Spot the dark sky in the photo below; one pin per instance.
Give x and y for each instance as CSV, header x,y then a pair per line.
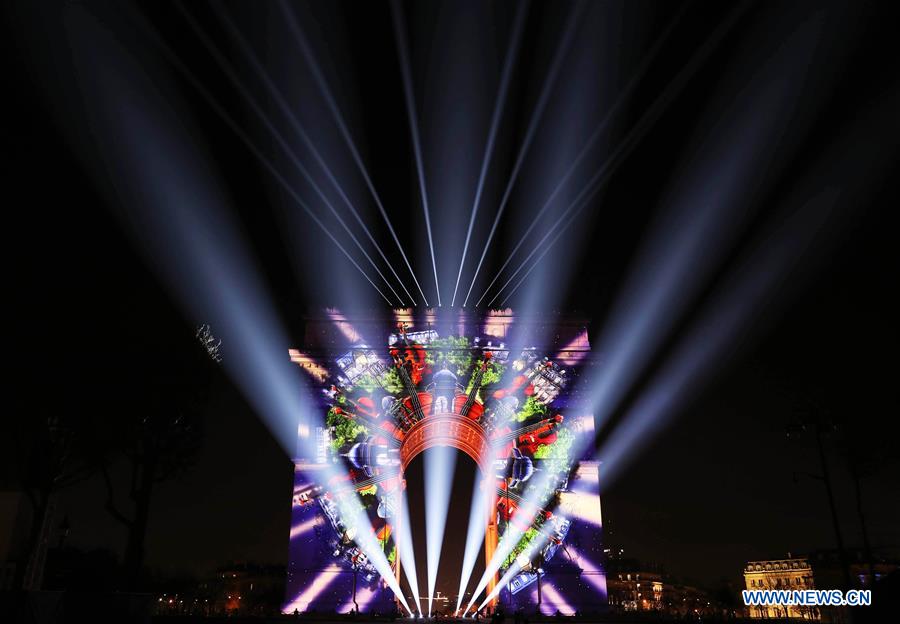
x,y
93,325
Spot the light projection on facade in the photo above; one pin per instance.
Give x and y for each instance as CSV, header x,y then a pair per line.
x,y
422,384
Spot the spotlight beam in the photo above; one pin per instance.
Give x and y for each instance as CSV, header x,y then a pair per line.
x,y
537,499
589,144
513,569
199,251
640,129
536,115
511,54
556,226
298,127
478,514
477,519
405,550
703,219
368,543
439,465
405,70
731,313
232,76
345,132
537,262
248,142
796,242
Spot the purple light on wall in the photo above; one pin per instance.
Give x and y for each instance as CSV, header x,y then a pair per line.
x,y
590,571
363,598
581,505
303,527
575,350
320,583
344,326
552,601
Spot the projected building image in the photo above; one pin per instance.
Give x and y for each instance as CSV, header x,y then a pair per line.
x,y
460,385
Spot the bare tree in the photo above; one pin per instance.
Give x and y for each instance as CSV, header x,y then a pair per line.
x,y
158,445
50,457
153,427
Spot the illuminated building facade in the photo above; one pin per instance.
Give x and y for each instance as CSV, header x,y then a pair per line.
x,y
794,573
390,388
636,590
819,569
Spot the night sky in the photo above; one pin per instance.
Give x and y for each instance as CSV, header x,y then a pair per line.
x,y
94,328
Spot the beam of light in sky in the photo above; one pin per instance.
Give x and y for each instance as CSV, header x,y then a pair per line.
x,y
701,219
705,345
226,67
513,569
307,141
635,79
545,249
537,498
248,142
369,544
549,81
310,58
478,517
527,509
511,54
754,286
170,202
406,72
440,462
524,559
355,517
405,551
623,149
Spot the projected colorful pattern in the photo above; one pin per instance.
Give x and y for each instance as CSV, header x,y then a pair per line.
x,y
510,411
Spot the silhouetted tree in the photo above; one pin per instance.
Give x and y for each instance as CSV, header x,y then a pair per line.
x,y
50,457
158,444
158,434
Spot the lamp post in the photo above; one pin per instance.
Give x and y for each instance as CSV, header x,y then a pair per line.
x,y
539,570
355,574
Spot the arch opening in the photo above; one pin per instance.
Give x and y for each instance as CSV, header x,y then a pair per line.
x,y
466,472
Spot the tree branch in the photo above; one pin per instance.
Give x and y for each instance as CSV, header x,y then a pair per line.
x,y
110,498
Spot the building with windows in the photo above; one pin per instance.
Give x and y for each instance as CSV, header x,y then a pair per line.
x,y
793,573
634,588
645,587
821,569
